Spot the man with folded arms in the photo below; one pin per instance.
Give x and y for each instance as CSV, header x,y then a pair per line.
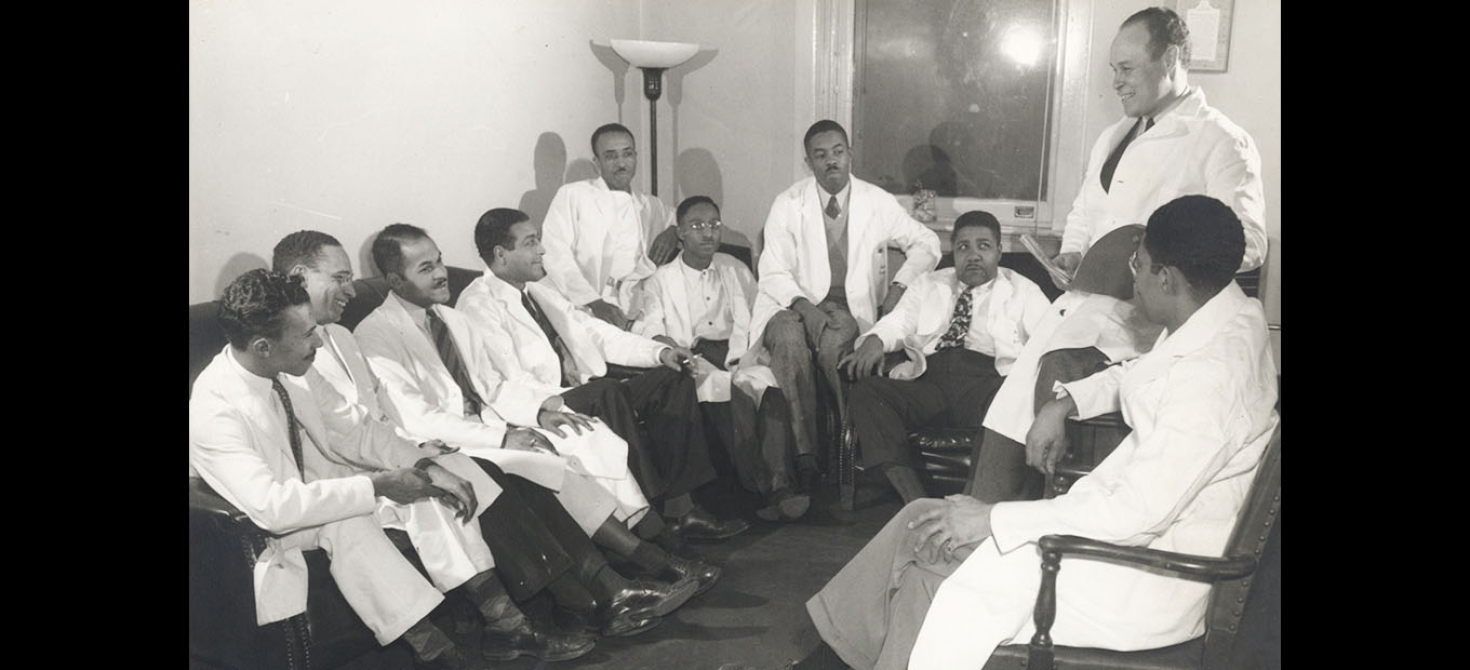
x,y
277,446
438,381
946,581
962,327
702,301
540,341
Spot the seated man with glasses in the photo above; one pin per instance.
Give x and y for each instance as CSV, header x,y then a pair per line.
x,y
702,301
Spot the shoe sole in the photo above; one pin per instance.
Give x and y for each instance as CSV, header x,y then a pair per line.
x,y
565,656
636,627
678,595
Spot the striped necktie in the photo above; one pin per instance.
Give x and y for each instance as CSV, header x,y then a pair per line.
x,y
291,425
449,354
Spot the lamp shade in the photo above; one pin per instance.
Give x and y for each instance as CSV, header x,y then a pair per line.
x,y
645,53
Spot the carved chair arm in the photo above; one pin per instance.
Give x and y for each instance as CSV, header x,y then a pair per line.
x,y
1209,568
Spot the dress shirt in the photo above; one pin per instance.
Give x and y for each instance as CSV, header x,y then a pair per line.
x,y
978,337
708,305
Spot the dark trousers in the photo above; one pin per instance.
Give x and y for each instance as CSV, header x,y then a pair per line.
x,y
954,391
658,415
532,537
759,441
999,473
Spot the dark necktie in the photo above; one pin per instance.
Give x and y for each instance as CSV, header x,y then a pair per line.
x,y
1111,163
295,431
832,209
959,323
563,354
449,354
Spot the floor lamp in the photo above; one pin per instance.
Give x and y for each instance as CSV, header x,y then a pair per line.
x,y
653,58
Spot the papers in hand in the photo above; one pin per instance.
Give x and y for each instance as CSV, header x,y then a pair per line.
x,y
1058,275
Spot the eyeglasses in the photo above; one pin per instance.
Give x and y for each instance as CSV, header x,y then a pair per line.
x,y
1134,266
706,225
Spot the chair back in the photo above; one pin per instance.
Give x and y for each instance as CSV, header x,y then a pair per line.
x,y
1227,600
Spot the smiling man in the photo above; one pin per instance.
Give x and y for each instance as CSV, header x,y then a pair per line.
x,y
962,327
824,272
602,238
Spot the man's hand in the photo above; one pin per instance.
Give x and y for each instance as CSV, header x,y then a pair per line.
x,y
403,486
553,420
455,491
664,246
812,318
864,361
1068,262
664,339
942,532
526,439
609,312
677,358
1046,442
895,293
437,448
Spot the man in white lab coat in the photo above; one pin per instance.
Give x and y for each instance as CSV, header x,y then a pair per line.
x,y
1169,143
602,238
702,301
961,329
1201,405
823,273
540,341
439,381
310,469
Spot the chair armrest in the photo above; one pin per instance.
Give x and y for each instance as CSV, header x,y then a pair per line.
x,y
203,501
1209,568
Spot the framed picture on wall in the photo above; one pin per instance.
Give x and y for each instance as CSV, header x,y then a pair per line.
x,y
1209,32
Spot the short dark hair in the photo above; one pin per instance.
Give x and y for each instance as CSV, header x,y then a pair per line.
x,y
823,126
1199,235
302,247
609,128
493,230
979,218
689,204
1165,28
388,247
254,305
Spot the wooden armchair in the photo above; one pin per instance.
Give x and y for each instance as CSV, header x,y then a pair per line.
x,y
1230,574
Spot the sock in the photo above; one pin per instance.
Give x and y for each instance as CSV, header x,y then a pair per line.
x,y
650,557
676,508
653,529
495,604
427,641
608,582
805,462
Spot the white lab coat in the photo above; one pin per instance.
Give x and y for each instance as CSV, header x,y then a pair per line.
x,y
425,401
1201,407
1016,305
667,313
1192,149
597,241
519,349
794,263
239,444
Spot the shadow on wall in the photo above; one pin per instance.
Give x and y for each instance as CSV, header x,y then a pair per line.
x,y
366,266
238,265
618,67
581,169
550,164
697,173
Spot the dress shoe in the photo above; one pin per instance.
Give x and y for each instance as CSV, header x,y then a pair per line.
x,y
701,525
530,639
644,600
703,574
575,621
785,506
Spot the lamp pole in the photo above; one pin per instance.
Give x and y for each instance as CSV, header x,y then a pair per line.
x,y
653,87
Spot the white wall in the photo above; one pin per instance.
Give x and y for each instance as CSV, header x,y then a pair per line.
x,y
345,116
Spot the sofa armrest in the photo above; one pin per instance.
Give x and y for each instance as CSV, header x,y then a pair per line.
x,y
1209,568
207,504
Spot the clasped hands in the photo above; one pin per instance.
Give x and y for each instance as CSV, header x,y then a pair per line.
x,y
427,479
950,530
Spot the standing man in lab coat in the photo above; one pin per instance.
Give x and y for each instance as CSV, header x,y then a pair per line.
x,y
602,238
824,276
946,581
1169,143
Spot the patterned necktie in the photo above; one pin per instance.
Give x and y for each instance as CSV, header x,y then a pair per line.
x,y
449,354
832,209
1111,163
563,354
291,427
959,323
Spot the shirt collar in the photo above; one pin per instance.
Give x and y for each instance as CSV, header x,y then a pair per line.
x,y
960,285
841,195
419,315
691,270
1205,323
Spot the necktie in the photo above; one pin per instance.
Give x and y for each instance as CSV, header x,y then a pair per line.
x,y
449,354
563,355
295,431
959,323
1111,163
832,209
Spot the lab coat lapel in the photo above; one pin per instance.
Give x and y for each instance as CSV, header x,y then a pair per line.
x,y
814,234
424,356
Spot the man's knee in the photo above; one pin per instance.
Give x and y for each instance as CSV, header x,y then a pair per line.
x,y
785,333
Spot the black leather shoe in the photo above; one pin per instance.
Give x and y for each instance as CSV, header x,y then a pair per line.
x,y
629,610
701,525
574,621
703,574
529,639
